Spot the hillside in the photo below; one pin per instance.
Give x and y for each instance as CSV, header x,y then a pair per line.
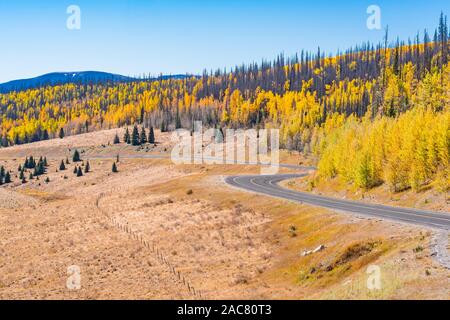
x,y
127,231
78,78
59,78
314,99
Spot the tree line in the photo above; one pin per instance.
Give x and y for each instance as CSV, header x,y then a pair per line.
x,y
308,96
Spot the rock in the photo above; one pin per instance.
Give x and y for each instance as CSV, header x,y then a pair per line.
x,y
310,252
319,248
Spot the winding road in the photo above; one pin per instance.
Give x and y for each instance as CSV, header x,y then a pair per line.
x,y
269,185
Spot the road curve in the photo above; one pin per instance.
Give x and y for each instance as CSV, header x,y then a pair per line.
x,y
269,185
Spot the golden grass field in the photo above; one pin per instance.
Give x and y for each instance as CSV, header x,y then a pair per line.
x,y
227,244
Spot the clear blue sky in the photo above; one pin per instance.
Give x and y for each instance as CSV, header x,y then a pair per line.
x,y
152,36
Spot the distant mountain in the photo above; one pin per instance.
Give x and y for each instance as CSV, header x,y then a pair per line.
x,y
71,77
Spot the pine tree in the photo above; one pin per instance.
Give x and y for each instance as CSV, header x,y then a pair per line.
x,y
39,169
79,172
31,163
67,160
45,135
61,133
62,166
87,168
2,171
31,176
45,162
135,137
116,139
47,180
76,156
22,174
114,168
151,136
143,137
126,137
7,177
75,170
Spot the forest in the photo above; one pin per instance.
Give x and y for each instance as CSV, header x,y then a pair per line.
x,y
373,114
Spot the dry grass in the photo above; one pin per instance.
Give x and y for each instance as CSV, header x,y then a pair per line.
x,y
230,244
427,199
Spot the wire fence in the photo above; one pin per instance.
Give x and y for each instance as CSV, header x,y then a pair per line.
x,y
152,247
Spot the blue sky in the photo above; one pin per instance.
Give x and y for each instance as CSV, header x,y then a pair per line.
x,y
136,36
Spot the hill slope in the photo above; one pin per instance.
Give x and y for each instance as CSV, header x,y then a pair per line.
x,y
62,78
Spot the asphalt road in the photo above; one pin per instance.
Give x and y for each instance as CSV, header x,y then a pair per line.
x,y
269,185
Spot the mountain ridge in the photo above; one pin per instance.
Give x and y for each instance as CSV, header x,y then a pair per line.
x,y
55,78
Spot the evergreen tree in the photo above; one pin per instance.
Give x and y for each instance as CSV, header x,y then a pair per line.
x,y
30,163
143,136
126,137
114,168
47,180
19,169
61,133
45,135
135,137
4,142
67,160
7,177
151,136
75,170
116,139
2,171
39,169
62,166
1,181
87,168
79,172
76,156
31,176
22,174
